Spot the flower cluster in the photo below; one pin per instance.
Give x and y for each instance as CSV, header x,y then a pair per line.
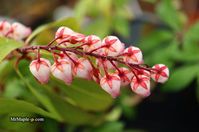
x,y
105,61
15,30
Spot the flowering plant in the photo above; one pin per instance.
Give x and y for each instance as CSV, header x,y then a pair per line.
x,y
73,53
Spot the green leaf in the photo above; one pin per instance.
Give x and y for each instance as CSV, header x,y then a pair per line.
x,y
121,26
169,14
59,107
18,106
86,94
96,27
69,22
8,45
110,127
155,39
180,78
43,99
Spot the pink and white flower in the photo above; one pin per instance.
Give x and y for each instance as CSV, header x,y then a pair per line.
x,y
107,64
4,28
91,42
82,68
112,46
160,74
18,31
76,38
71,56
64,34
132,55
141,85
62,70
111,84
40,68
125,75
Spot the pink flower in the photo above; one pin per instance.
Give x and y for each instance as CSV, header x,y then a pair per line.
x,y
40,69
91,42
19,31
76,38
161,73
141,85
111,84
62,70
70,54
132,55
125,75
112,46
4,28
83,68
106,63
64,34
142,72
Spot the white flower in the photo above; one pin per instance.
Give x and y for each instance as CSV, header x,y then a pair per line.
x,y
111,84
62,70
40,68
132,55
160,73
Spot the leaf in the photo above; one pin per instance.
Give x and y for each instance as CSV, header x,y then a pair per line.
x,y
180,78
121,25
60,108
86,94
8,45
43,99
18,106
110,127
69,22
155,39
96,27
169,14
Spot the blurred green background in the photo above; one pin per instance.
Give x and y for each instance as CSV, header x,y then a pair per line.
x,y
167,31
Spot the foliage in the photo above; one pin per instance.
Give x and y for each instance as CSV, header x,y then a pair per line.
x,y
175,45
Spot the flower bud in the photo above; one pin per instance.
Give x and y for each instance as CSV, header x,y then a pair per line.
x,y
160,74
76,38
125,75
64,34
62,70
106,63
141,85
132,55
70,54
112,46
4,28
83,68
19,31
40,68
111,84
91,42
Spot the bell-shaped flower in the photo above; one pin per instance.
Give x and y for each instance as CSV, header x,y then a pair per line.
x,y
107,64
141,85
160,73
112,46
125,75
63,34
40,68
132,55
111,84
19,31
62,70
91,42
4,28
82,68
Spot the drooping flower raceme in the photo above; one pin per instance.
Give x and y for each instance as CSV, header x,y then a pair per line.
x,y
105,61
